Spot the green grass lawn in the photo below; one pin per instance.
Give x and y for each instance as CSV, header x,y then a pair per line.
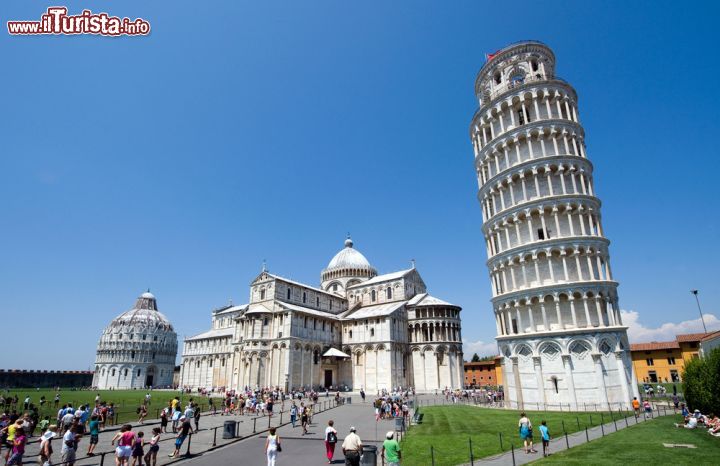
x,y
126,401
448,428
642,444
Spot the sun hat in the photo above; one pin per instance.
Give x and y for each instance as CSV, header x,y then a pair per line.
x,y
390,434
352,429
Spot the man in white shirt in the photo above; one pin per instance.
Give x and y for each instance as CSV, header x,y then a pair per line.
x,y
68,448
352,448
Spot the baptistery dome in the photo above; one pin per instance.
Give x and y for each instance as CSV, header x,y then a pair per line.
x,y
137,349
346,268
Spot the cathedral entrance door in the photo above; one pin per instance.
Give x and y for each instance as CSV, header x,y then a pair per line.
x,y
150,375
328,378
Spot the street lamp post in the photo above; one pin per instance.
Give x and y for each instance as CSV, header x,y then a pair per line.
x,y
697,300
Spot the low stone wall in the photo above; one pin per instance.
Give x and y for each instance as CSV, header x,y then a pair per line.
x,y
16,378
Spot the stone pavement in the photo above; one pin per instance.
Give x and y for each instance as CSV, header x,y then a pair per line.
x,y
299,450
209,437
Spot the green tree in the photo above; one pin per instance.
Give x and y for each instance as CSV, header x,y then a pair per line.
x,y
475,358
701,380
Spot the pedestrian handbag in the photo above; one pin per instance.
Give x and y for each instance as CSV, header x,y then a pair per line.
x,y
279,447
332,437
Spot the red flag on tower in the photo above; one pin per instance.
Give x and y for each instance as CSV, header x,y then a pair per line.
x,y
490,56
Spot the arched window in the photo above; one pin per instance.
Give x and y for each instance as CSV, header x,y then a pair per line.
x,y
132,354
373,296
262,294
304,297
316,357
372,332
389,293
334,286
126,371
555,383
350,334
289,292
317,302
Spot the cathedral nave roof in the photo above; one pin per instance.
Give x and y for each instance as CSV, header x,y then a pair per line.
x,y
215,333
382,278
378,310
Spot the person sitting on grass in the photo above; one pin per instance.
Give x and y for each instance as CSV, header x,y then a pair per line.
x,y
691,422
684,410
545,434
526,433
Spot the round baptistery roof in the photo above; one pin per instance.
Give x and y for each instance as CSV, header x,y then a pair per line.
x,y
143,316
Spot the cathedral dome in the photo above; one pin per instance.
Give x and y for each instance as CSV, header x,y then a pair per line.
x,y
348,258
347,267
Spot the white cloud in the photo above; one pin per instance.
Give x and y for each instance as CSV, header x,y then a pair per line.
x,y
480,347
639,333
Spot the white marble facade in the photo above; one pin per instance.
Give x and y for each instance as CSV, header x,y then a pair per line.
x,y
392,331
137,349
555,300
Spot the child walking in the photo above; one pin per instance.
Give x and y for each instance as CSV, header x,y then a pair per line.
x,y
151,456
138,451
545,433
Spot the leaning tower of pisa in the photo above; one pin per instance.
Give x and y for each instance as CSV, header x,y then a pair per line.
x,y
555,301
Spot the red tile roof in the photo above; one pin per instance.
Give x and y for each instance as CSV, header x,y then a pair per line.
x,y
711,335
655,345
690,337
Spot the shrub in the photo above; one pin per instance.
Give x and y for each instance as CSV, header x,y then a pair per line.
x,y
701,383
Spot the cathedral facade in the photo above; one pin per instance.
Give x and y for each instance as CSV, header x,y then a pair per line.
x,y
357,330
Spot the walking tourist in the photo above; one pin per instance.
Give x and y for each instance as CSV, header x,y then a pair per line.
x,y
391,450
94,428
304,419
142,412
151,456
164,419
46,450
526,433
272,447
545,434
330,440
183,432
293,414
126,439
352,448
71,438
636,405
196,417
8,433
138,451
18,448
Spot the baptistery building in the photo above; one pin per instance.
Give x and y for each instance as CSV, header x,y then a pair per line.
x,y
356,329
560,332
137,349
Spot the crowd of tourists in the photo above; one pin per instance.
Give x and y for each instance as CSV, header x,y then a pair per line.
x,y
73,424
698,420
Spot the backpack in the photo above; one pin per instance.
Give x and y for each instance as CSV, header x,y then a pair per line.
x,y
332,437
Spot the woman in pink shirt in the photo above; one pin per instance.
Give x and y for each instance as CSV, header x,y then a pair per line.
x,y
126,440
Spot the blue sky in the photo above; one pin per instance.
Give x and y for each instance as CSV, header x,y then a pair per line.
x,y
268,130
